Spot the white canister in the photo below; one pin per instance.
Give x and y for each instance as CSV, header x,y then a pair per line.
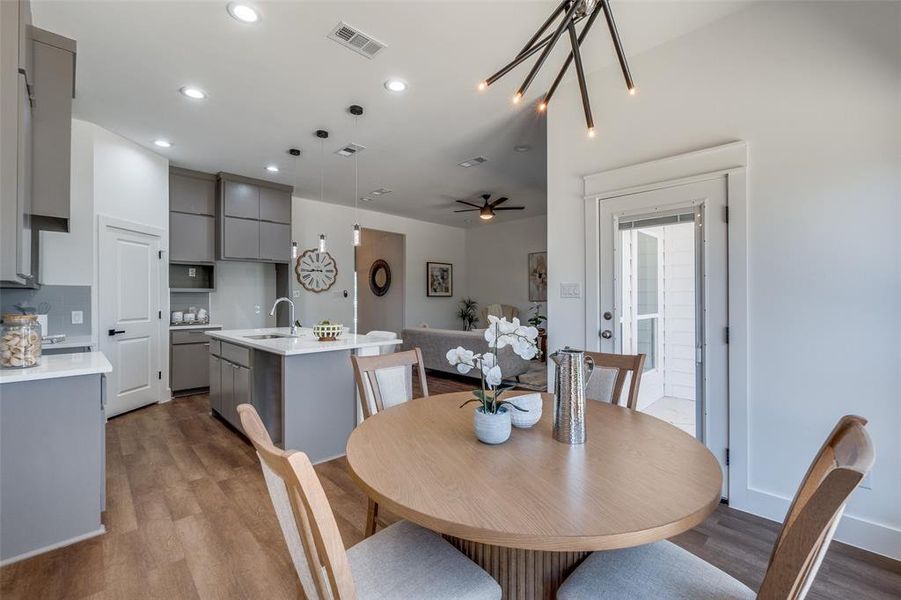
x,y
176,317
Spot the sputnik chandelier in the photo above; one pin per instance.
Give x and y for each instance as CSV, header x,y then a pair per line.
x,y
574,12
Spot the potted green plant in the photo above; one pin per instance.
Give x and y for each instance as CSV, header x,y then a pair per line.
x,y
491,420
535,321
466,312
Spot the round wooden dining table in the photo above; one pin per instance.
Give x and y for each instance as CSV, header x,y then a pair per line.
x,y
530,509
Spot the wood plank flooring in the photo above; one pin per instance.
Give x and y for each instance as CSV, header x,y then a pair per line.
x,y
188,516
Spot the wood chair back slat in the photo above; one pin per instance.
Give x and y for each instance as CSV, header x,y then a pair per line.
x,y
624,364
842,462
319,534
366,372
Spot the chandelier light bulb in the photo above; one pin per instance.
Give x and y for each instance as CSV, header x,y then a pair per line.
x,y
633,90
483,86
293,250
517,97
322,242
542,107
591,132
357,235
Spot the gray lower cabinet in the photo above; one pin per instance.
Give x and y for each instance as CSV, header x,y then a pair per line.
x,y
240,239
192,238
189,366
234,381
275,241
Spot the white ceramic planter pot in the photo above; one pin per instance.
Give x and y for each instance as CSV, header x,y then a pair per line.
x,y
529,402
492,428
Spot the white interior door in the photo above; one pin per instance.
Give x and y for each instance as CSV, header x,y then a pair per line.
x,y
129,298
622,320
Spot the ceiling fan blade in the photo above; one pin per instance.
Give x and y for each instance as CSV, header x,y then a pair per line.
x,y
468,210
469,203
511,208
498,201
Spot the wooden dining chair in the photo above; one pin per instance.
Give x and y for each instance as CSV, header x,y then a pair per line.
x,y
401,561
382,382
624,364
664,570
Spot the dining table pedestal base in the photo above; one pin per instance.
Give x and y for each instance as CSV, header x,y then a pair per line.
x,y
522,574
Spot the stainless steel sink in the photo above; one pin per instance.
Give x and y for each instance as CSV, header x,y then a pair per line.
x,y
268,336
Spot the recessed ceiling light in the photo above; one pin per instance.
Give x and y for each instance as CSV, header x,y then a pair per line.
x,y
522,148
243,12
396,85
272,168
162,143
192,92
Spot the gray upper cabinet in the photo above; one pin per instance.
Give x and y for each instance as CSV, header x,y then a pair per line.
x,y
54,87
275,241
192,238
192,192
275,205
254,220
241,200
241,239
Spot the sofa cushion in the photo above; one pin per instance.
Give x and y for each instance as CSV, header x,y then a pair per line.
x,y
434,344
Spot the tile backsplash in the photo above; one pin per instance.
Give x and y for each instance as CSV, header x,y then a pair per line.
x,y
57,302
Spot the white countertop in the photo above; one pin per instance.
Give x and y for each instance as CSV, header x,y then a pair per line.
x,y
59,365
200,326
304,343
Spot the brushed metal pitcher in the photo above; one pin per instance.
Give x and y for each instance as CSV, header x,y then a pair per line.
x,y
573,371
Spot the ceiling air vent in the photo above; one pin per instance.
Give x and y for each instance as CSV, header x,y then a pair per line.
x,y
350,149
473,162
356,40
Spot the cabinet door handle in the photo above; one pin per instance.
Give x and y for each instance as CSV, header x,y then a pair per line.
x,y
115,331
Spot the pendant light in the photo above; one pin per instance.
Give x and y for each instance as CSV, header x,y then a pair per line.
x,y
356,111
322,134
573,11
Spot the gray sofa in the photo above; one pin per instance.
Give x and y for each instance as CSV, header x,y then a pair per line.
x,y
435,343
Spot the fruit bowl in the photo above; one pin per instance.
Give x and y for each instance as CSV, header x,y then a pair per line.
x,y
327,332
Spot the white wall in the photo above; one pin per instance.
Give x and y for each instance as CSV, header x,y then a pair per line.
x,y
114,177
815,90
425,242
244,294
497,261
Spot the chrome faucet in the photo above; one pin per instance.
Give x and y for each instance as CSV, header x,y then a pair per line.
x,y
291,304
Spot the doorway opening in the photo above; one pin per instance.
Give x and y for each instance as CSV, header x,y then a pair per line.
x,y
658,293
380,260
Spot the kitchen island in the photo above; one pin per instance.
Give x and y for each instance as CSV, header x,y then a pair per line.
x,y
52,452
303,389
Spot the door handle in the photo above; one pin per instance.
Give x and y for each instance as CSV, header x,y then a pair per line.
x,y
115,331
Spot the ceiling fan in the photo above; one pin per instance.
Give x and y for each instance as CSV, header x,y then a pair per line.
x,y
486,211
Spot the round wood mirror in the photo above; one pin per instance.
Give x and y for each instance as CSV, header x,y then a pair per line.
x,y
379,277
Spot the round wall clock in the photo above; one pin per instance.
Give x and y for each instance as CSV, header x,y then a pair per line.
x,y
316,271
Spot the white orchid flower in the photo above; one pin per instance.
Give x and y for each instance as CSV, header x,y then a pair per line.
x,y
462,359
493,376
489,360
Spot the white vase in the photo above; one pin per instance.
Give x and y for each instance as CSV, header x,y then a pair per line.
x,y
492,428
532,404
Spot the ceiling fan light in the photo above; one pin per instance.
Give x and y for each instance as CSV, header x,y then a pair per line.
x,y
486,216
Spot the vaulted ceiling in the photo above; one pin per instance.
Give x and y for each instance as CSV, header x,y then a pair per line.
x,y
273,83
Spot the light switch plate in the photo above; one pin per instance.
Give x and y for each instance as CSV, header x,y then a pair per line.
x,y
77,317
570,290
256,309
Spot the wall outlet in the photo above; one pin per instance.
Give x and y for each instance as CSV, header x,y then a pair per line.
x,y
256,309
77,317
570,290
295,293
192,272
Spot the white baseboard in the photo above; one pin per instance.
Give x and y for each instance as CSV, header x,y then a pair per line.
x,y
874,537
69,542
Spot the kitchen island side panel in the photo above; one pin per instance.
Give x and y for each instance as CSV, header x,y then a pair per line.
x,y
318,403
51,463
